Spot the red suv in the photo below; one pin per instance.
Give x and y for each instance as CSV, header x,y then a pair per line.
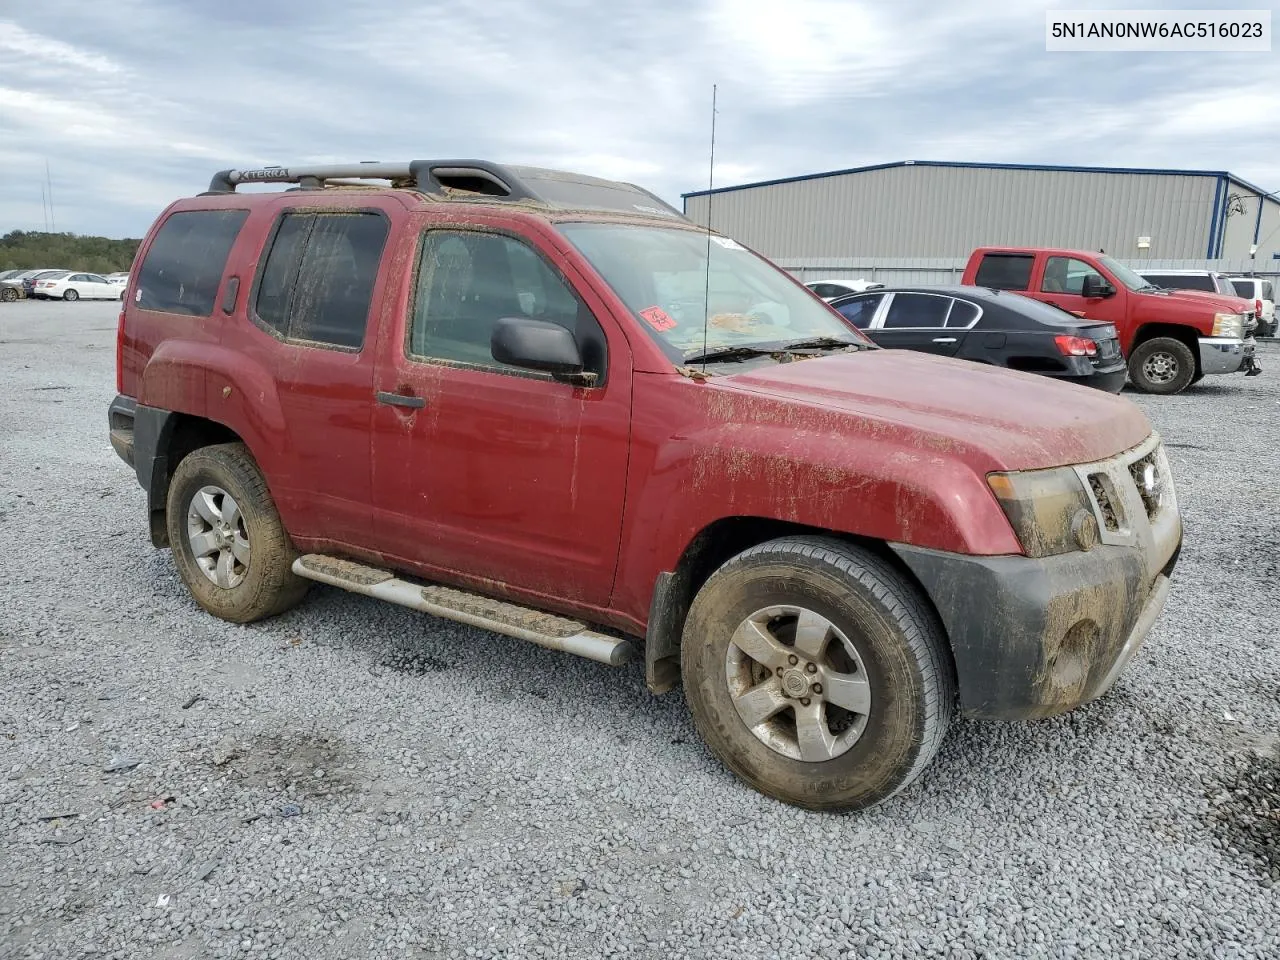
x,y
549,406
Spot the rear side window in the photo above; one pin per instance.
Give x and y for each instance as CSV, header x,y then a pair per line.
x,y
317,281
1243,288
184,265
1005,271
859,311
917,310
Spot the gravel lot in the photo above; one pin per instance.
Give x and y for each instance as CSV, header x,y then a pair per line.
x,y
354,779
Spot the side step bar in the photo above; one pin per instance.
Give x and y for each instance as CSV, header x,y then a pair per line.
x,y
512,620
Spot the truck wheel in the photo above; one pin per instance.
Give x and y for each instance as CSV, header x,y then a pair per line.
x,y
228,542
816,673
1162,365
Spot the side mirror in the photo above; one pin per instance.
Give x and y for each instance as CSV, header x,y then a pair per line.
x,y
1093,287
538,345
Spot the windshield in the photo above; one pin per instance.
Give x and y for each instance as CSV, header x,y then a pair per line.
x,y
742,302
1124,274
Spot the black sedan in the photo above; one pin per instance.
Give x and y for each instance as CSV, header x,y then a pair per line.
x,y
990,326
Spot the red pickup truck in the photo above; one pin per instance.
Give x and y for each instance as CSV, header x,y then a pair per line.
x,y
550,406
1170,338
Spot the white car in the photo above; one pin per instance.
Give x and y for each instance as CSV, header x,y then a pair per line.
x,y
76,286
117,279
1264,302
830,289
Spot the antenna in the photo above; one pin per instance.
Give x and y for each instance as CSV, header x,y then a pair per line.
x,y
44,207
711,182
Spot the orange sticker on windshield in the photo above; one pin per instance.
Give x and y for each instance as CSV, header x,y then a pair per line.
x,y
658,318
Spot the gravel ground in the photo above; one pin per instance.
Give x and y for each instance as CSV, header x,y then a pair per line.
x,y
354,779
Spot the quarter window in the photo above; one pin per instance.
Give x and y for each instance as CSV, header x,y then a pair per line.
x,y
963,314
468,281
917,310
1005,271
184,265
317,282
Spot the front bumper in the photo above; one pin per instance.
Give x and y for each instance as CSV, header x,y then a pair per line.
x,y
1039,637
1035,637
1227,355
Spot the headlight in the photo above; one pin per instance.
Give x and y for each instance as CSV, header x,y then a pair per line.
x,y
1228,325
1049,510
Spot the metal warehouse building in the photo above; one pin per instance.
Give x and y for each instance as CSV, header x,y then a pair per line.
x,y
942,211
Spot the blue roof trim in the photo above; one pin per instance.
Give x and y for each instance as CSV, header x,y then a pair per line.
x,y
1162,171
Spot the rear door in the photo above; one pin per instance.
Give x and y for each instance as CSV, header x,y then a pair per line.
x,y
317,283
493,473
918,321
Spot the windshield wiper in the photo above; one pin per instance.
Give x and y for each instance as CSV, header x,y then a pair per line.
x,y
821,343
728,353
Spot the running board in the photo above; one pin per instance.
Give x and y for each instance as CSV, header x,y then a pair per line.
x,y
512,620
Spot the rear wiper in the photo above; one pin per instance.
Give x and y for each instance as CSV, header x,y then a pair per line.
x,y
728,353
821,343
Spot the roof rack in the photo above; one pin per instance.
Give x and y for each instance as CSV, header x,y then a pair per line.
x,y
464,180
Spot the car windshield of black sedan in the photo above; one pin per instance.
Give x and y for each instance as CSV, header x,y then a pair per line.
x,y
741,306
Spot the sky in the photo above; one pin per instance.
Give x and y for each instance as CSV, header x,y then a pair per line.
x,y
134,103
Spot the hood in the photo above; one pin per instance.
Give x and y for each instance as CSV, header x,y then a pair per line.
x,y
1219,302
995,419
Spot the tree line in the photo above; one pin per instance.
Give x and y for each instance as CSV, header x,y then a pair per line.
x,y
26,250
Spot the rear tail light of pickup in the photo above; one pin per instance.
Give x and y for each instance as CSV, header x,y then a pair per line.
x,y
1076,346
1229,325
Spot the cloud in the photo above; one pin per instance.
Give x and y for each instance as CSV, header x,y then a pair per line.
x,y
137,102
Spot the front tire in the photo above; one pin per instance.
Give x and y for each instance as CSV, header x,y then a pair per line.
x,y
229,545
1162,365
817,673
70,296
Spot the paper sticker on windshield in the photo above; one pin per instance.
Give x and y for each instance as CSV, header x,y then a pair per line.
x,y
728,243
657,318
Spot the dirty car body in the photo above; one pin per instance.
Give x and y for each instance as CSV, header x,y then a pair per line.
x,y
631,425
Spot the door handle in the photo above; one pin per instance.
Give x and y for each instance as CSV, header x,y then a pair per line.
x,y
400,400
944,339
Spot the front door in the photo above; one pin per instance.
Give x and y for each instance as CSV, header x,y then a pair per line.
x,y
918,321
490,472
1061,285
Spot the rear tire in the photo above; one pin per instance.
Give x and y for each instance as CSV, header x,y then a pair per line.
x,y
867,702
70,296
8,294
1162,365
229,545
